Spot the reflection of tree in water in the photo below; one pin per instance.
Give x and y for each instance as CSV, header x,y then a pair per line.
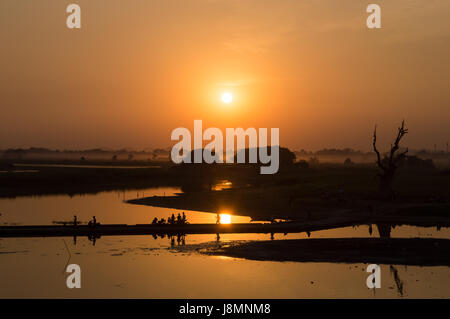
x,y
398,282
384,230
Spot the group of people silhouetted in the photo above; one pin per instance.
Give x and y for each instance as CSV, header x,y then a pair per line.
x,y
93,222
172,220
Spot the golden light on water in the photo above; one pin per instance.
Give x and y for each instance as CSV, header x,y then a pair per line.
x,y
225,218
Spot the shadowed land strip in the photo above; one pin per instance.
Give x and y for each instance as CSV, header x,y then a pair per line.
x,y
260,208
166,229
394,251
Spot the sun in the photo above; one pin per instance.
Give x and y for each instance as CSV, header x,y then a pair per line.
x,y
227,98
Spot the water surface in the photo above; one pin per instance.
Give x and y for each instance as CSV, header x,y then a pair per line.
x,y
145,267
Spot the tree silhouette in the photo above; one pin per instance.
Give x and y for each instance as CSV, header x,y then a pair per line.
x,y
389,164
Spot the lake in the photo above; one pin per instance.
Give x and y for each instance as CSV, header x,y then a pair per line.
x,y
145,267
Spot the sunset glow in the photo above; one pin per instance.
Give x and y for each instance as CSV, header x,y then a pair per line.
x,y
227,98
213,150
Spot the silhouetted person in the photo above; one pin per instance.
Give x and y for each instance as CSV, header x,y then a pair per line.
x,y
94,220
183,218
75,222
155,221
172,219
218,219
179,219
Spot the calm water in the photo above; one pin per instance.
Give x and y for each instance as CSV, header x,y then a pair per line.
x,y
141,266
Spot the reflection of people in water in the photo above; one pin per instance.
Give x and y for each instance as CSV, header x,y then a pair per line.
x,y
93,238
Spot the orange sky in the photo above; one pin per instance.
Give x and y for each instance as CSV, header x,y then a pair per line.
x,y
138,69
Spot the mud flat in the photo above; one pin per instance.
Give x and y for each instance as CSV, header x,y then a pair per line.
x,y
394,251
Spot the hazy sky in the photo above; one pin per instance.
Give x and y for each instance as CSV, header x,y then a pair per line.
x,y
138,69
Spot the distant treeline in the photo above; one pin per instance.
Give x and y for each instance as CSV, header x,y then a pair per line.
x,y
89,154
340,155
159,154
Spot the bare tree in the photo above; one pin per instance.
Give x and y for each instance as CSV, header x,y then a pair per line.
x,y
389,164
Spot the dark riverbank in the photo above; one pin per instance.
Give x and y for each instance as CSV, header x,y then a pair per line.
x,y
71,178
394,251
295,193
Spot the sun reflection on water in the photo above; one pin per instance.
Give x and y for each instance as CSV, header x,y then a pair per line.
x,y
225,218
